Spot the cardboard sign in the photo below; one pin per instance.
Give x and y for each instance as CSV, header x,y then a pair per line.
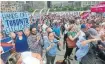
x,y
15,21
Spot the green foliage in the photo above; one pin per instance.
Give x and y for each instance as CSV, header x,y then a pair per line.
x,y
69,8
30,10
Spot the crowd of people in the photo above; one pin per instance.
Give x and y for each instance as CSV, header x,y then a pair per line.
x,y
87,36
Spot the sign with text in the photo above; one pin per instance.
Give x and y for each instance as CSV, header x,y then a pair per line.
x,y
15,21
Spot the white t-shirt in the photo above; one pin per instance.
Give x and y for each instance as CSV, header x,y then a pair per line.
x,y
66,28
28,59
44,27
81,34
1,49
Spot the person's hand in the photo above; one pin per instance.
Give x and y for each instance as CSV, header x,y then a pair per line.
x,y
52,44
95,39
101,47
13,45
36,55
78,33
12,35
38,38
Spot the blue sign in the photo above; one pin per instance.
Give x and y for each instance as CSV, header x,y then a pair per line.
x,y
15,21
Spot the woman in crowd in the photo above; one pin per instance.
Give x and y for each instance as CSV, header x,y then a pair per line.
x,y
27,31
51,48
21,44
72,35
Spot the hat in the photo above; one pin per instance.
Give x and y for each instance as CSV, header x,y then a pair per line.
x,y
83,26
93,33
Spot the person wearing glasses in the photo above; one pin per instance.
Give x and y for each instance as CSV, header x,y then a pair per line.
x,y
35,41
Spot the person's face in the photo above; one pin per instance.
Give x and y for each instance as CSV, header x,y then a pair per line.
x,y
1,36
49,30
84,29
12,35
27,32
73,28
33,31
97,28
51,36
20,33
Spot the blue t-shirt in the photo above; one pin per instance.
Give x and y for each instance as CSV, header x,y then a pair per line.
x,y
56,30
83,50
21,45
53,50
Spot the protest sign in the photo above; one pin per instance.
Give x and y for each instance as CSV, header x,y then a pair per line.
x,y
14,21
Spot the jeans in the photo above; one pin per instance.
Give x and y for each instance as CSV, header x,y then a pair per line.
x,y
50,59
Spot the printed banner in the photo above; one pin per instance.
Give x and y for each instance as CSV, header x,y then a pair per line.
x,y
15,21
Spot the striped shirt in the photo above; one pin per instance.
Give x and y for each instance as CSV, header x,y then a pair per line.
x,y
34,45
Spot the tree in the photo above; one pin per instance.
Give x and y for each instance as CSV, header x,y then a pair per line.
x,y
30,10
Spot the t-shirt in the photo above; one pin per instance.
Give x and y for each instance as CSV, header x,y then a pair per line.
x,y
81,34
53,50
66,28
28,59
71,33
57,30
44,27
21,45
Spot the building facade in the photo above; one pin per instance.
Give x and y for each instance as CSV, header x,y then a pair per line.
x,y
11,6
18,6
74,3
89,3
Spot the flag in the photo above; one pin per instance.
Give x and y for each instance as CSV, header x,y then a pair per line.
x,y
84,15
6,44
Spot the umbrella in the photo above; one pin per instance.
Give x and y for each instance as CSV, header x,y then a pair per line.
x,y
98,8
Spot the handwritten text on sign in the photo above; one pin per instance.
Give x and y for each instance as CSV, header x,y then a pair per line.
x,y
15,21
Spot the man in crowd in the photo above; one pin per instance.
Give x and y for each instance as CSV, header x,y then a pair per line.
x,y
35,41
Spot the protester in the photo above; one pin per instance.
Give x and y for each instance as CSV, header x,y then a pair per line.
x,y
27,31
72,35
35,41
56,29
45,34
21,44
86,52
51,48
5,47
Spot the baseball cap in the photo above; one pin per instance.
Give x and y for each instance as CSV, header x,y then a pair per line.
x,y
83,26
93,33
